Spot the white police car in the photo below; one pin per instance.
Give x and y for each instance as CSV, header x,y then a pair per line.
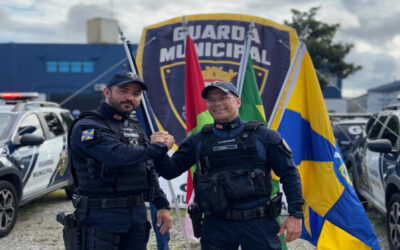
x,y
33,154
374,167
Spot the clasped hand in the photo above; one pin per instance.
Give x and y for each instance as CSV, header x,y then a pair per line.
x,y
163,137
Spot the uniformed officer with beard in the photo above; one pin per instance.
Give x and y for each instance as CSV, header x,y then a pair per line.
x,y
113,166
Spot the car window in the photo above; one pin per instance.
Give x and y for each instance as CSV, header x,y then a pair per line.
x,y
391,130
4,123
376,128
54,124
67,118
30,124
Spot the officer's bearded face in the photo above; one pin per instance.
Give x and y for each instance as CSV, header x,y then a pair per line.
x,y
222,107
124,98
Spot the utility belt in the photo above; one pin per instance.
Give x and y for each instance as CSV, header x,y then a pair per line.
x,y
104,203
82,203
271,210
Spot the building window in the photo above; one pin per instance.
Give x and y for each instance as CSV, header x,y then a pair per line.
x,y
88,67
76,67
70,66
51,66
63,66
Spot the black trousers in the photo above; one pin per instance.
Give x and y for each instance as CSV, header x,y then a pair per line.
x,y
260,233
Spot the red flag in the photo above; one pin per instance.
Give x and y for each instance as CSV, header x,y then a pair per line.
x,y
196,109
197,114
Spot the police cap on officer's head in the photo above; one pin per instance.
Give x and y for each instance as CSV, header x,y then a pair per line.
x,y
226,87
122,78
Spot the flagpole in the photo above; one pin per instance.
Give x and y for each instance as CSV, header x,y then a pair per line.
x,y
185,30
134,70
245,58
284,84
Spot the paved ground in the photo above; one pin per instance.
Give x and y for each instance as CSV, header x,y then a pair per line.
x,y
37,229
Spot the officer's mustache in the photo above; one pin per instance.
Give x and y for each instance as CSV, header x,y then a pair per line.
x,y
127,102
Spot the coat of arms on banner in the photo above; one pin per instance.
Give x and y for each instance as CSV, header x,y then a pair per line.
x,y
219,44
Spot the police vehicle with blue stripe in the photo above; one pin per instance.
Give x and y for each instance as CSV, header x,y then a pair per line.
x,y
33,153
374,167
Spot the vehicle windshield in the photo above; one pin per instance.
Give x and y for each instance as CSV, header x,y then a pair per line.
x,y
5,120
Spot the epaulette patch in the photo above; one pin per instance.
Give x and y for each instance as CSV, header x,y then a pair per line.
x,y
87,135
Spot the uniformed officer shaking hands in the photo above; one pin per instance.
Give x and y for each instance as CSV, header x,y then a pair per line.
x,y
232,181
115,174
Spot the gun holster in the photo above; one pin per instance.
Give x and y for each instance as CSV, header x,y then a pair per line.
x,y
275,206
196,217
72,231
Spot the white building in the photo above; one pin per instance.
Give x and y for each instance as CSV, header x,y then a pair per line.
x,y
375,98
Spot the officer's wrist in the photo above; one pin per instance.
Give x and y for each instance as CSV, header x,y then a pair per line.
x,y
158,149
297,214
167,207
161,203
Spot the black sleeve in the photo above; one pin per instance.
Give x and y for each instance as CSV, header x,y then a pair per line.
x,y
107,148
280,159
182,159
160,199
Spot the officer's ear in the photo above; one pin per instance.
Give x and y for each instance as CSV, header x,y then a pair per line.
x,y
238,101
107,91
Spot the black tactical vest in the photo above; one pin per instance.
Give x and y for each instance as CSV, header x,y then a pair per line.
x,y
230,170
94,178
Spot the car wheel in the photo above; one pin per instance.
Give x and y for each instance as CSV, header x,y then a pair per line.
x,y
70,191
393,221
8,207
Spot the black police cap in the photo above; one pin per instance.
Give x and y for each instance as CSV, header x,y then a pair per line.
x,y
122,78
227,87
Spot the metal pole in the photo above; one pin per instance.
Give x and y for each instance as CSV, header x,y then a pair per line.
x,y
284,84
245,58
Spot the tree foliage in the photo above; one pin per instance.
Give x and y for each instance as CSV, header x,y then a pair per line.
x,y
327,56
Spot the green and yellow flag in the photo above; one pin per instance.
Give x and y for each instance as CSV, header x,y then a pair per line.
x,y
252,108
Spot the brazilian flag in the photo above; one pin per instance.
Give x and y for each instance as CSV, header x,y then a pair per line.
x,y
252,109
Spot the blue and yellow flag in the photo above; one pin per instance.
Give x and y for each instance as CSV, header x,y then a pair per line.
x,y
333,216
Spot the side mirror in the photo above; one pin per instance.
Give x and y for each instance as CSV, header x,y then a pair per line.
x,y
380,146
30,140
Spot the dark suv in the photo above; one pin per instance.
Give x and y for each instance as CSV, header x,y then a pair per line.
x,y
374,168
33,155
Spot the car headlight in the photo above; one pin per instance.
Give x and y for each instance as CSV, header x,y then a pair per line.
x,y
3,157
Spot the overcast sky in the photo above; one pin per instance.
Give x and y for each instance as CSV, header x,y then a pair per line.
x,y
372,26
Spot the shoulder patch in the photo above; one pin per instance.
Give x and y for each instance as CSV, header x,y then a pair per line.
x,y
87,135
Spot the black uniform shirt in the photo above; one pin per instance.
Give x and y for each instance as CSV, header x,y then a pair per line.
x,y
93,138
270,147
